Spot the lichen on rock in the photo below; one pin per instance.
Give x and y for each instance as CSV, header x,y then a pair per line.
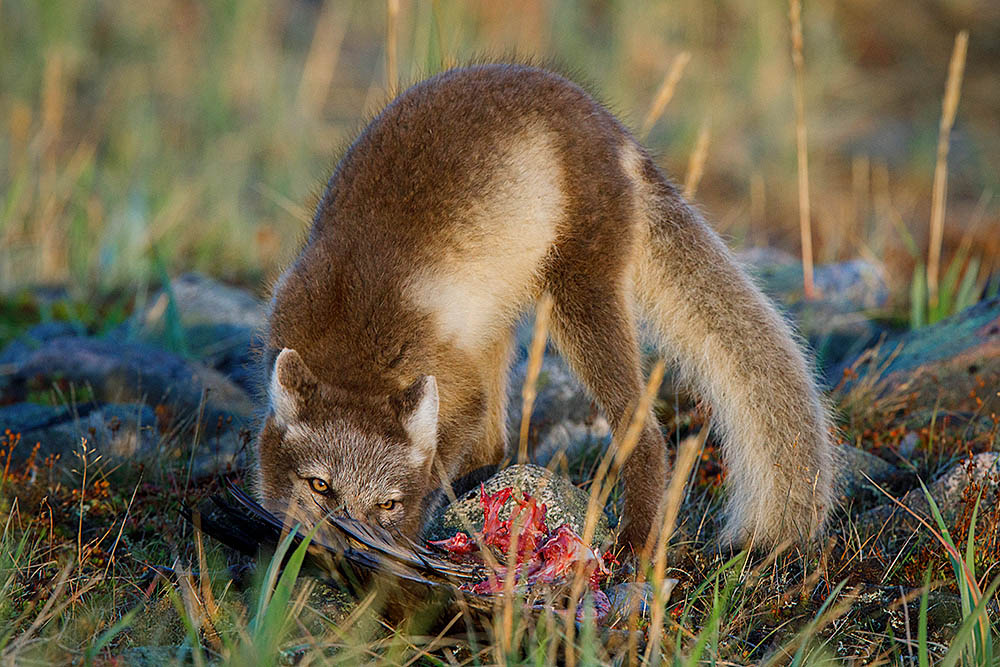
x,y
565,503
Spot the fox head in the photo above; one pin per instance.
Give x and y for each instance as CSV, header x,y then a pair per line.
x,y
322,449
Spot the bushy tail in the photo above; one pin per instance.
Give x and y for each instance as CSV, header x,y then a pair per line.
x,y
740,354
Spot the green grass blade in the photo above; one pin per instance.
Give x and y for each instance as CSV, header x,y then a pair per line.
x,y
197,654
972,598
969,289
984,645
907,238
173,331
992,287
964,634
918,297
271,626
923,655
735,562
109,634
272,574
949,287
719,602
970,551
938,518
811,628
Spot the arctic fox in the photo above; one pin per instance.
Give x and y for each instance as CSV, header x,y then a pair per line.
x,y
467,198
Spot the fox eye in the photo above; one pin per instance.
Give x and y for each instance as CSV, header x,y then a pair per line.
x,y
389,505
319,486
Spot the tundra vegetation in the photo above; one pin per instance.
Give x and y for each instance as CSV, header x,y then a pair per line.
x,y
144,140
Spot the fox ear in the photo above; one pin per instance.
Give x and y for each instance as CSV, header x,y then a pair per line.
x,y
417,407
290,382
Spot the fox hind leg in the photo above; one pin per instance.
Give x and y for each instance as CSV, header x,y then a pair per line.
x,y
594,330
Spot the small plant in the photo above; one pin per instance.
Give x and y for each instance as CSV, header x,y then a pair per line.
x,y
275,613
973,644
960,288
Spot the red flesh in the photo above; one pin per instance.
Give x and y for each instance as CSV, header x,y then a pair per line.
x,y
546,556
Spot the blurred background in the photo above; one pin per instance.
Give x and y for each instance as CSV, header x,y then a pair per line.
x,y
141,139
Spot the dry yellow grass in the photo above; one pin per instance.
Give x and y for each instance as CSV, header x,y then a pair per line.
x,y
696,165
391,46
202,147
208,149
801,148
949,106
665,93
536,355
323,56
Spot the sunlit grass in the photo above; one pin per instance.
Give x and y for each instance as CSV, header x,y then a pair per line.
x,y
203,131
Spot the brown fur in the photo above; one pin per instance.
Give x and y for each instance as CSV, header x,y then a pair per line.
x,y
458,206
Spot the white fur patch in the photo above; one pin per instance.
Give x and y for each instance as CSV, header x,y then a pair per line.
x,y
422,425
484,280
313,469
282,401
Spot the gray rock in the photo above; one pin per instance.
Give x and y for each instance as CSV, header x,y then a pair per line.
x,y
35,337
229,349
155,656
221,452
25,418
855,284
836,332
563,418
216,324
565,503
133,372
116,431
947,364
947,491
855,464
202,300
631,596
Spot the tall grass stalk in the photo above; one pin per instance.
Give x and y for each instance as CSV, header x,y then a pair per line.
x,y
720,605
392,46
802,154
696,165
665,92
536,355
273,615
960,287
323,55
687,455
949,105
923,655
52,610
